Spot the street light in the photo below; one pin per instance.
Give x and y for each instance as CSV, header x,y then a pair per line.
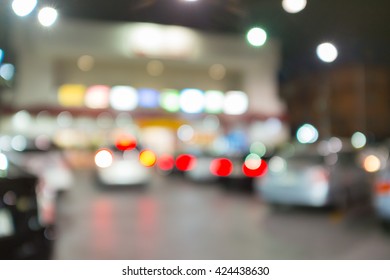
x,y
23,8
293,6
256,36
327,52
47,16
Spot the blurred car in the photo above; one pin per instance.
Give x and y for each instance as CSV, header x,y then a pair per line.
x,y
381,190
123,167
54,176
22,235
237,179
306,178
201,172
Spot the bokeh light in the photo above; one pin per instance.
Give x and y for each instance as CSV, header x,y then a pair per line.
x,y
7,71
126,142
293,6
252,161
372,163
217,72
236,103
71,95
23,7
358,140
42,142
147,158
214,101
21,121
122,98
211,123
307,134
335,145
3,162
5,143
64,119
104,158
256,36
19,143
148,98
221,167
155,68
327,52
1,56
192,101
85,63
185,162
258,148
170,100
97,97
47,16
185,133
261,170
277,164
166,162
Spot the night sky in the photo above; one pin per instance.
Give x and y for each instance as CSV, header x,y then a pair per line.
x,y
359,28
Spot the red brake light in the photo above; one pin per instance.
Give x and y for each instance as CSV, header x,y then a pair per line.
x,y
185,162
125,143
221,167
166,162
261,170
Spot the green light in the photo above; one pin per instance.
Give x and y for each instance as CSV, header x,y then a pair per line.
x,y
170,100
258,148
256,36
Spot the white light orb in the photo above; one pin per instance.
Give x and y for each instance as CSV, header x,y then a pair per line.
x,y
293,6
256,36
327,52
47,16
23,8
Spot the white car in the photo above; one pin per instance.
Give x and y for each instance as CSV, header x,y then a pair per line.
x,y
308,179
121,168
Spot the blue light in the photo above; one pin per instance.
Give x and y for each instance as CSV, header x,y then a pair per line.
x,y
148,98
1,55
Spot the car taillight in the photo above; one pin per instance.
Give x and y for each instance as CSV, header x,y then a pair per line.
x,y
382,188
258,170
221,167
125,143
185,162
166,162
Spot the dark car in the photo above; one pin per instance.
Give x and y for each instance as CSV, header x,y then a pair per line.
x,y
22,235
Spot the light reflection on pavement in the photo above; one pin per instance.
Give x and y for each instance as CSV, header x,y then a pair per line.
x,y
177,219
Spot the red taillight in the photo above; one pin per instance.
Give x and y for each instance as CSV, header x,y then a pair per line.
x,y
221,167
125,143
259,171
382,187
185,162
166,162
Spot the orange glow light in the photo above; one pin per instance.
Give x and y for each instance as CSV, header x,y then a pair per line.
x,y
147,158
